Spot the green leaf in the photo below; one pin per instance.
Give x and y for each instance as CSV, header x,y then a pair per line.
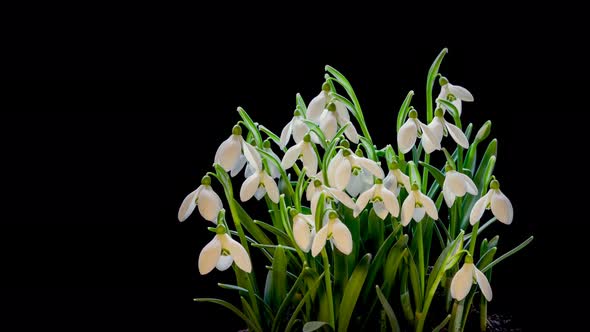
x,y
442,324
277,232
251,126
316,129
248,309
270,134
438,175
277,163
450,159
404,110
233,309
432,72
313,326
378,262
388,310
301,104
308,295
245,291
352,292
453,110
287,300
279,277
249,224
508,254
414,174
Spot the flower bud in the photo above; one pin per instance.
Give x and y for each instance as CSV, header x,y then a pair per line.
x,y
484,131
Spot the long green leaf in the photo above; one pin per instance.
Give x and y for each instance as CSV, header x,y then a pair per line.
x,y
277,232
388,310
288,299
432,72
438,175
308,295
301,104
404,109
352,292
252,128
313,326
508,254
442,324
233,309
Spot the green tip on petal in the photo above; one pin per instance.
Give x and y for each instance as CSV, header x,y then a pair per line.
x,y
236,130
495,184
326,87
206,180
413,114
331,107
333,215
438,112
443,81
345,143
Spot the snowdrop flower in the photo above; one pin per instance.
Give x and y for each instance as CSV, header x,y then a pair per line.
x,y
318,104
258,184
384,201
416,205
315,188
395,179
453,93
335,231
406,137
296,127
274,170
331,116
205,198
303,229
360,181
345,163
440,127
233,153
497,201
463,280
221,252
304,151
456,185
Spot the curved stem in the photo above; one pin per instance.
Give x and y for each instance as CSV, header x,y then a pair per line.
x,y
328,282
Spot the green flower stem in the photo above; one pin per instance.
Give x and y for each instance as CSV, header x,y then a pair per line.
x,y
328,288
473,238
425,173
419,238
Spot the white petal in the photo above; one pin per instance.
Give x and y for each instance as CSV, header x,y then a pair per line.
x,y
457,135
314,202
249,170
310,159
419,214
469,184
224,262
351,133
462,282
408,209
260,192
501,207
238,166
429,206
460,92
342,175
274,170
329,125
271,187
358,184
341,237
316,106
229,152
333,165
390,181
286,134
380,210
483,283
458,105
342,197
370,166
209,256
363,200
406,137
390,201
479,208
342,111
448,195
455,183
319,241
302,233
252,156
291,155
188,205
238,253
209,204
403,178
430,135
436,131
249,187
428,145
299,129
310,191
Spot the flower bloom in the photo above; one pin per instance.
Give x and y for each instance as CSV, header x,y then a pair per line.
x,y
233,153
384,201
408,133
416,205
296,128
258,184
330,114
456,185
463,280
221,252
335,231
453,93
345,163
205,198
304,151
395,179
303,230
439,128
315,188
497,201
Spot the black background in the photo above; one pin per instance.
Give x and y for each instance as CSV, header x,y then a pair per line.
x,y
95,165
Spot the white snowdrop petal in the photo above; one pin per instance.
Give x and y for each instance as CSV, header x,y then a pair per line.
x,y
209,204
188,205
341,237
333,165
428,145
271,187
238,166
404,179
408,209
390,201
380,210
310,191
363,200
291,155
455,183
483,283
316,106
390,181
249,170
252,156
329,125
429,206
238,253
370,166
448,195
249,187
299,129
462,282
310,159
302,233
479,208
457,135
351,133
469,184
286,134
342,197
224,262
458,105
259,194
460,92
229,152
432,137
406,137
419,214
209,256
319,241
501,207
342,111
342,175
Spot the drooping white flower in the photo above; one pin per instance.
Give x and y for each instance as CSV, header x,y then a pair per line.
x,y
464,278
408,133
303,230
360,181
395,179
335,231
221,252
336,115
274,170
303,150
318,104
258,184
344,163
316,187
205,198
453,93
416,205
296,128
497,201
456,185
441,127
384,201
234,152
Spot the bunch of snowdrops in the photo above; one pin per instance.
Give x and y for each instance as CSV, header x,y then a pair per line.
x,y
356,236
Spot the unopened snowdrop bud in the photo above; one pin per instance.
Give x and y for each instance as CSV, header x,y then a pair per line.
x,y
303,229
408,133
484,131
205,198
305,151
335,231
296,128
222,252
384,201
464,278
416,205
453,93
456,185
497,202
